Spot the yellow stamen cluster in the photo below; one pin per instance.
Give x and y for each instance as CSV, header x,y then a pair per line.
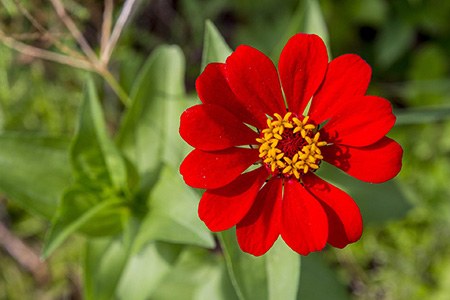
x,y
280,132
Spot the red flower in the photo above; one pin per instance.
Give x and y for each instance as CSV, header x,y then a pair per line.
x,y
258,147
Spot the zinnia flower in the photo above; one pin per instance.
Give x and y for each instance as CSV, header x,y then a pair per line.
x,y
259,145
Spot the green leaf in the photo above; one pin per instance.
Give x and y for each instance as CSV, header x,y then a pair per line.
x,y
144,130
172,214
394,40
421,115
378,202
34,171
307,18
215,49
95,158
85,210
104,262
175,148
198,275
116,269
95,203
247,272
283,271
146,270
272,276
319,281
315,21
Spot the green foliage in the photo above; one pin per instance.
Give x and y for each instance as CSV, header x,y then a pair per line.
x,y
318,281
172,214
393,42
308,17
215,49
146,131
118,195
198,275
95,201
34,171
95,158
272,276
114,266
165,209
422,115
35,100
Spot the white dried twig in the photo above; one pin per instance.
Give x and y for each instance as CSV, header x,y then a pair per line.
x,y
118,27
107,24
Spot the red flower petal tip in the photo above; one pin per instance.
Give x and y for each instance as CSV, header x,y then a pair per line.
x,y
258,151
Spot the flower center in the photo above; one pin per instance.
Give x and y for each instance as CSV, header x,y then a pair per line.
x,y
290,146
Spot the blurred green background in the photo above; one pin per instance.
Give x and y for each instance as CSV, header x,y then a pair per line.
x,y
404,255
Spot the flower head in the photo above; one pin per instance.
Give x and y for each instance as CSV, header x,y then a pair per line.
x,y
261,135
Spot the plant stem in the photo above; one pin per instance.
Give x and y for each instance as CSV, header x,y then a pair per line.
x,y
120,92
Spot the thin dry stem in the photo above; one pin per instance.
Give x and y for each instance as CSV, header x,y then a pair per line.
x,y
29,17
107,24
45,34
45,54
23,254
90,61
73,29
118,27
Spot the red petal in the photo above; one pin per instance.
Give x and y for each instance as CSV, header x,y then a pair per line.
x,y
212,88
347,76
304,225
210,127
253,78
302,66
370,119
223,208
260,228
375,163
210,170
344,218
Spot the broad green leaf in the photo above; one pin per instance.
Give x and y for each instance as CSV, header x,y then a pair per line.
x,y
215,48
283,271
175,148
172,214
34,171
421,115
116,269
198,275
377,202
146,270
247,272
319,281
145,126
104,262
272,276
95,158
315,22
307,18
